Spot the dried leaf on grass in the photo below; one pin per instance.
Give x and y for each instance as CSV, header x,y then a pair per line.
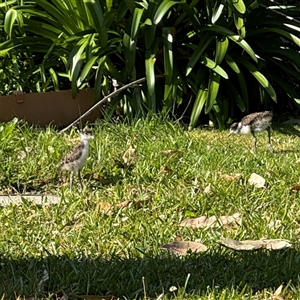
x,y
129,155
230,177
123,204
207,189
248,245
278,290
166,169
257,180
295,188
205,222
95,297
183,247
172,152
104,207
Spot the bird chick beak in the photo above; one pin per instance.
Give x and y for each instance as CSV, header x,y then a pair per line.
x,y
229,134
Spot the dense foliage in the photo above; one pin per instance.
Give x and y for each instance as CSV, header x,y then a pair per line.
x,y
217,57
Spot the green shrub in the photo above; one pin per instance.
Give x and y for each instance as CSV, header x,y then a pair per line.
x,y
217,57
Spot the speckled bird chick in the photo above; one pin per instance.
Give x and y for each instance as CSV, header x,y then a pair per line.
x,y
75,160
253,123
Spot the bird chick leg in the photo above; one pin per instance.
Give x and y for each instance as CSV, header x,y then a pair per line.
x,y
71,180
269,141
254,141
79,178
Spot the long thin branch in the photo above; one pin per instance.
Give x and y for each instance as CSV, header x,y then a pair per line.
x,y
111,95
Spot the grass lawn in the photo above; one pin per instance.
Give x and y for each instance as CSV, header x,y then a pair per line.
x,y
90,244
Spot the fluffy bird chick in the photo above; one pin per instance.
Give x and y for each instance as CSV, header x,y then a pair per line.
x,y
75,160
253,123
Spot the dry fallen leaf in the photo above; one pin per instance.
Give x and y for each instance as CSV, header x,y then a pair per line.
x,y
278,290
270,244
230,177
104,207
129,155
205,222
207,189
166,169
172,152
183,247
123,204
257,180
199,222
295,188
277,244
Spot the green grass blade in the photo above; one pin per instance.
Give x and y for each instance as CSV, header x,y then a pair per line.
x,y
217,11
150,32
87,68
239,6
130,5
221,49
129,53
238,22
198,107
232,64
204,42
213,89
96,12
59,14
98,79
163,9
137,15
54,79
9,21
235,38
260,78
235,94
150,75
168,59
112,70
213,66
244,89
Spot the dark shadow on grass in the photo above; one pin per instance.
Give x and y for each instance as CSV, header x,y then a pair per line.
x,y
286,151
287,129
253,271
